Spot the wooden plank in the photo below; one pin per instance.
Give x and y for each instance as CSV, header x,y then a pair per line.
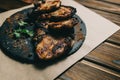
x,y
115,38
113,1
88,71
107,70
99,5
105,55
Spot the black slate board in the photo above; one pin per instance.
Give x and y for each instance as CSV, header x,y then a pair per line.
x,y
23,50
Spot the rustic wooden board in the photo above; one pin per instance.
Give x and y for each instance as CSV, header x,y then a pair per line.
x,y
99,5
112,1
115,38
85,71
105,54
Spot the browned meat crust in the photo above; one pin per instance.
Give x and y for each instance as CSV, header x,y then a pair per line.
x,y
48,5
50,47
60,25
62,13
44,7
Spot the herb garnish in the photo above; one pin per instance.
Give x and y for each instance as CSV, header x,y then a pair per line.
x,y
17,35
22,23
18,32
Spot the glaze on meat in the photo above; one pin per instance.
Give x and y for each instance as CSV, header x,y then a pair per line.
x,y
62,13
44,7
48,6
50,47
64,24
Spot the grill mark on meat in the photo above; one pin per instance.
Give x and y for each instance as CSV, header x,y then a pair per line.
x,y
39,35
48,5
51,47
59,48
69,23
62,13
61,28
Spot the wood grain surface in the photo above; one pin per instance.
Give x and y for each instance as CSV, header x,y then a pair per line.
x,y
105,55
84,70
103,63
102,59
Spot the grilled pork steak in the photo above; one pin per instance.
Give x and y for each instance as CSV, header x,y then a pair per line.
x,y
50,47
47,6
60,25
62,13
43,7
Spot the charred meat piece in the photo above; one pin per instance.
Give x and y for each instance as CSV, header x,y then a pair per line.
x,y
50,47
43,7
48,6
39,35
64,12
65,24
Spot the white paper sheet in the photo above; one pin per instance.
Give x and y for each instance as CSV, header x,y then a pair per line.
x,y
98,30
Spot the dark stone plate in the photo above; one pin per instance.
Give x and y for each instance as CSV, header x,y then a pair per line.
x,y
23,49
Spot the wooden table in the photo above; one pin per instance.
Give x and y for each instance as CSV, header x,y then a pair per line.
x,y
103,63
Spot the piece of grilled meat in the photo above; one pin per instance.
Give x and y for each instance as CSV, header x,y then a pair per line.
x,y
43,7
64,12
47,6
60,25
50,47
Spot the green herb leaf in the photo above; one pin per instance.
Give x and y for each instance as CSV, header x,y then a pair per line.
x,y
25,31
22,23
18,30
30,33
17,35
